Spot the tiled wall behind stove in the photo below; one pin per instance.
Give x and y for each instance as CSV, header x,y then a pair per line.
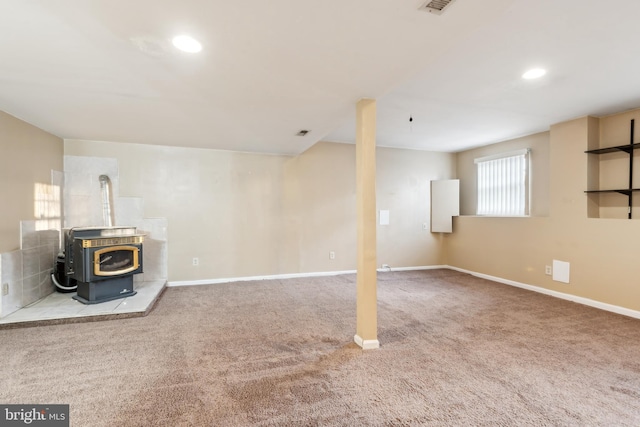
x,y
27,272
154,249
82,194
82,197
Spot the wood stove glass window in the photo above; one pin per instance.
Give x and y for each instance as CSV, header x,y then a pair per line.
x,y
115,260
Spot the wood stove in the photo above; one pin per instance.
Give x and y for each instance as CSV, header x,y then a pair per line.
x,y
103,261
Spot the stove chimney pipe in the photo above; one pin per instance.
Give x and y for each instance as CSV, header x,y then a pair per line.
x,y
108,216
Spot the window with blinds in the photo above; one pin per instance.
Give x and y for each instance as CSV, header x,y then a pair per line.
x,y
503,184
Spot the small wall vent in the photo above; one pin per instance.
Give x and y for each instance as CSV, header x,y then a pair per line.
x,y
436,6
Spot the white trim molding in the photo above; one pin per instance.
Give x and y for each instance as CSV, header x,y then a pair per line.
x,y
569,297
293,276
366,344
422,267
254,278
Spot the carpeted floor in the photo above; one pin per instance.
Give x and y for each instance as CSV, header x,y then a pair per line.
x,y
455,350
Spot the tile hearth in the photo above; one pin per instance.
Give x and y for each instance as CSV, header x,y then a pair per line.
x,y
62,308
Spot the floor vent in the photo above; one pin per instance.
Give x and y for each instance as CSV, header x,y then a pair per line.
x,y
436,6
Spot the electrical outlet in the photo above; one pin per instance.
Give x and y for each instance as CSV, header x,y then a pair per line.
x,y
547,270
195,261
332,255
5,289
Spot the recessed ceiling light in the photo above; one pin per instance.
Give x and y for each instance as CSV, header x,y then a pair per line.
x,y
187,44
534,73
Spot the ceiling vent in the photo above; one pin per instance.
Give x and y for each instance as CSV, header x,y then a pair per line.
x,y
436,6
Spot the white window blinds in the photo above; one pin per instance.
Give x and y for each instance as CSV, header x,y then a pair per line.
x,y
503,184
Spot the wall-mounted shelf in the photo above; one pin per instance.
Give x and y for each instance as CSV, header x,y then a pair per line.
x,y
629,149
626,192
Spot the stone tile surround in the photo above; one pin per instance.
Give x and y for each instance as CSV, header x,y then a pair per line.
x,y
27,271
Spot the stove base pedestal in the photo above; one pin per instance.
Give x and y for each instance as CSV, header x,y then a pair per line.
x,y
105,290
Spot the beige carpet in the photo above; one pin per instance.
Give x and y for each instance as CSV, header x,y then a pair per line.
x,y
455,350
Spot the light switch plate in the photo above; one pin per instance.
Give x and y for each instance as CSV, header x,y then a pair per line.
x,y
384,217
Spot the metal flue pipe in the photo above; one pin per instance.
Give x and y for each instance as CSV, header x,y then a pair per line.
x,y
108,216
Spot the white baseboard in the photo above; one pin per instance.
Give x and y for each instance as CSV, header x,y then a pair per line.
x,y
421,267
366,344
292,276
253,278
569,297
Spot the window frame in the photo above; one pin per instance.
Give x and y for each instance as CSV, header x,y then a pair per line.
x,y
526,183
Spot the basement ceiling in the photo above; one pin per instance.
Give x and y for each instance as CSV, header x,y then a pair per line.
x,y
106,69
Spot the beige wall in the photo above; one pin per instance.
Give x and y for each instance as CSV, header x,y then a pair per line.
x,y
602,252
27,156
404,188
252,214
223,207
325,205
321,202
539,145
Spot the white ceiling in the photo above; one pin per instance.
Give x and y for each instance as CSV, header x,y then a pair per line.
x,y
106,70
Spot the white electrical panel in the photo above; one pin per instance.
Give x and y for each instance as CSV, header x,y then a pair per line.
x,y
561,271
445,204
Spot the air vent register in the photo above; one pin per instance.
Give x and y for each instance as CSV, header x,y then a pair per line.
x,y
436,6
